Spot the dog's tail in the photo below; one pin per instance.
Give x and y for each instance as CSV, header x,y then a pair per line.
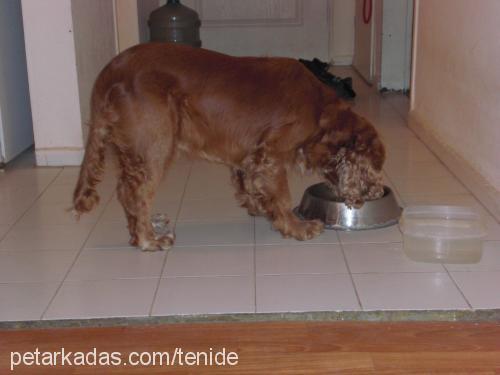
x,y
85,196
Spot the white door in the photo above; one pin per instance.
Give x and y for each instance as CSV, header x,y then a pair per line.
x,y
16,129
364,39
293,28
397,40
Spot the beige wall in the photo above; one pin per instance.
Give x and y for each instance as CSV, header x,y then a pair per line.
x,y
132,21
93,29
342,37
456,79
126,23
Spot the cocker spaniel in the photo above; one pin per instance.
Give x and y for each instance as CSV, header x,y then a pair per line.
x,y
258,116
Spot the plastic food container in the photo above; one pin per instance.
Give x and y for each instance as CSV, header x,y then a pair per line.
x,y
442,234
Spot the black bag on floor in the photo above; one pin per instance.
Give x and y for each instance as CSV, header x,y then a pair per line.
x,y
342,86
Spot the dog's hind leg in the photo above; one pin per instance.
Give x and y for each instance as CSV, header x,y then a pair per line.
x,y
139,180
267,185
145,149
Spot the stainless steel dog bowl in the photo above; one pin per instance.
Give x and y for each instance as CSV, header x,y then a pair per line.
x,y
319,202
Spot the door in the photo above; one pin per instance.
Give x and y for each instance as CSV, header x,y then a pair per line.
x,y
293,28
16,128
397,38
364,39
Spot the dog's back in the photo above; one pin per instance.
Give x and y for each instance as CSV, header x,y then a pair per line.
x,y
227,98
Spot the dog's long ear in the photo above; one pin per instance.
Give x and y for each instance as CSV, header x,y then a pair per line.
x,y
357,135
328,117
356,155
319,149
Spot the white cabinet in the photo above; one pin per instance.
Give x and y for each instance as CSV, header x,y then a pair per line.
x,y
67,43
16,129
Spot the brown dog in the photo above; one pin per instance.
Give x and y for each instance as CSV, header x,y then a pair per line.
x,y
258,116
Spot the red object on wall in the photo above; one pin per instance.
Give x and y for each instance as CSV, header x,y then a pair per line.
x,y
367,10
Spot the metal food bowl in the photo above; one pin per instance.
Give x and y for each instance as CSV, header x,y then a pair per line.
x,y
319,202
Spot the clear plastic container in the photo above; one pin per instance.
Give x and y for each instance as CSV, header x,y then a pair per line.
x,y
442,234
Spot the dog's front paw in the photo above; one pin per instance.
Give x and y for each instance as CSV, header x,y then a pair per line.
x,y
302,230
308,229
160,243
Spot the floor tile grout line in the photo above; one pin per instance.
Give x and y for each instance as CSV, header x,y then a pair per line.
x,y
487,270
76,257
366,243
164,265
351,277
458,288
176,246
254,265
222,221
302,274
243,244
30,206
81,281
399,272
207,276
218,276
238,275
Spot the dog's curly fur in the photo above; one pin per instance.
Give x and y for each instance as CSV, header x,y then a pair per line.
x,y
258,116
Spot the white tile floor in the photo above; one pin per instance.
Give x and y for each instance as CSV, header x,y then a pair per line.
x,y
225,261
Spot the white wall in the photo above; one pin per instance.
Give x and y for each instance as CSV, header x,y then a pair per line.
x,y
16,129
456,81
65,48
53,80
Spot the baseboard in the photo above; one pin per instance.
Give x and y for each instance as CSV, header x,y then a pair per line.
x,y
343,60
460,167
57,157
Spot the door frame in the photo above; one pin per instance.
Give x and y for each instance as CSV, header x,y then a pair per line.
x,y
373,77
